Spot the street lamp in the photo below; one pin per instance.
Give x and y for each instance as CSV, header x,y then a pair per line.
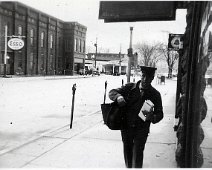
x,y
120,62
96,51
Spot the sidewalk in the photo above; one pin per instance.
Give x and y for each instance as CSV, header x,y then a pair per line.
x,y
90,144
47,77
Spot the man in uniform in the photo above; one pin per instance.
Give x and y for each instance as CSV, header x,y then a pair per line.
x,y
132,96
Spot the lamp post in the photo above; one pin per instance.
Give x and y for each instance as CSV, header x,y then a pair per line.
x,y
130,54
120,62
96,52
5,53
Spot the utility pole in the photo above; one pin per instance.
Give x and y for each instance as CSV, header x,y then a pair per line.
x,y
5,53
130,54
96,53
120,61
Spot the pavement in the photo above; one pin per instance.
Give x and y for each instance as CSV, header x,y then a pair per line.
x,y
90,144
48,77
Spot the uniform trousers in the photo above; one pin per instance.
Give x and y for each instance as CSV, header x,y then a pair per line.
x,y
134,140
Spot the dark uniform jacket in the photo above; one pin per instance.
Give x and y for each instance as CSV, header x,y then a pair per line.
x,y
135,100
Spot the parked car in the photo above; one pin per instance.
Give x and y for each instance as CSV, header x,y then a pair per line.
x,y
82,72
96,72
93,71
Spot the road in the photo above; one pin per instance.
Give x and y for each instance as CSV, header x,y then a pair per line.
x,y
32,107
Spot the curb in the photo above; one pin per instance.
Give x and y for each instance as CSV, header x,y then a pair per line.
x,y
54,132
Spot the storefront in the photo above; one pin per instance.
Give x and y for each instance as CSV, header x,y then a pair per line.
x,y
194,60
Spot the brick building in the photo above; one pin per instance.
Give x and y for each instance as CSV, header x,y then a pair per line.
x,y
52,46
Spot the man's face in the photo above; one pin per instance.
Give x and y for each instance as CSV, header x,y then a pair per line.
x,y
146,80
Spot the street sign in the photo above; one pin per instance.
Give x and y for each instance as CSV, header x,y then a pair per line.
x,y
175,41
16,43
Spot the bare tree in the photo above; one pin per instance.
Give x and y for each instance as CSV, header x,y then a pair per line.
x,y
170,56
148,54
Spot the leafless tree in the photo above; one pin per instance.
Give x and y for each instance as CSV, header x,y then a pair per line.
x,y
148,55
170,56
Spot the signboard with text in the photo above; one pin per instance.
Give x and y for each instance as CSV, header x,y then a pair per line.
x,y
16,43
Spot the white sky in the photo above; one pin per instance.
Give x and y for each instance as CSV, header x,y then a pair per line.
x,y
110,36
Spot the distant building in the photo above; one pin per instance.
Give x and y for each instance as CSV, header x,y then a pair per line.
x,y
108,63
52,46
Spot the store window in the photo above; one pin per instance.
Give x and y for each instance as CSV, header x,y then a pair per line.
x,y
51,41
51,63
83,46
31,36
31,61
42,39
76,44
80,45
20,30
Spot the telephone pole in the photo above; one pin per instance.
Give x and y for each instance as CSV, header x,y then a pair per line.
x,y
120,61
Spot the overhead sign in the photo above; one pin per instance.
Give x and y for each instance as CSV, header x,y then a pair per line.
x,y
129,11
175,41
16,43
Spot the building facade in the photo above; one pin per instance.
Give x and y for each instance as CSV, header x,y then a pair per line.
x,y
52,46
108,63
193,67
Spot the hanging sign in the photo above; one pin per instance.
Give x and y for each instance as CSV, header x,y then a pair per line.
x,y
175,41
16,43
131,11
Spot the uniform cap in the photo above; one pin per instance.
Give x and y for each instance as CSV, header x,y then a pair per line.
x,y
148,70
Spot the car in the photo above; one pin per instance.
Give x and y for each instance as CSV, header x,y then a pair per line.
x,y
82,72
95,72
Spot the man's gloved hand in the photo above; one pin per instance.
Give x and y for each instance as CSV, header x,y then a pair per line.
x,y
121,101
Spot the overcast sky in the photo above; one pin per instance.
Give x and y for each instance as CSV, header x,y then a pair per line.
x,y
112,36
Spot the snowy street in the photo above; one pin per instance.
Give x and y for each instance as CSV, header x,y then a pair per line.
x,y
31,107
41,106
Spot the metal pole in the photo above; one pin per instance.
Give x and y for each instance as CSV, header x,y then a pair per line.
x,y
5,53
96,52
72,107
130,56
120,63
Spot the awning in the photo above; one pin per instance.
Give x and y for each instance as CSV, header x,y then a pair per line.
x,y
130,11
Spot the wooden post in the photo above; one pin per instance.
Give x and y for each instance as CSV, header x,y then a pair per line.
x,y
105,91
72,107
